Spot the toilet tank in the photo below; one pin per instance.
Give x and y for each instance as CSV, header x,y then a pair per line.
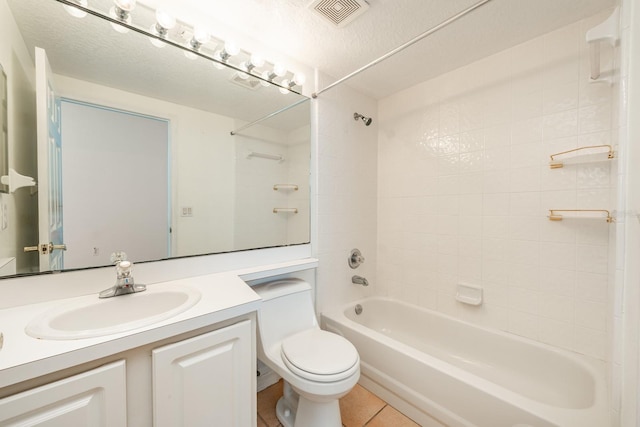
x,y
287,308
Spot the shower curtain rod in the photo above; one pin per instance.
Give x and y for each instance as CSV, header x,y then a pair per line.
x,y
404,46
371,64
255,122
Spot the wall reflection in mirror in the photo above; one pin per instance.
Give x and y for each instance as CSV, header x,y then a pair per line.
x,y
125,141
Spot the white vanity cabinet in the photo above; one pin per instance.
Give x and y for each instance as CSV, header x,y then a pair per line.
x,y
96,398
205,380
204,377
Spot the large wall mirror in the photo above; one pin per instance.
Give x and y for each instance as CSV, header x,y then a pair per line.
x,y
145,147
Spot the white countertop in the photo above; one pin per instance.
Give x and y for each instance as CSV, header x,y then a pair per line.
x,y
223,296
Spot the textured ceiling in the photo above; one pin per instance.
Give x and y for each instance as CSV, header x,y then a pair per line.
x,y
91,48
298,32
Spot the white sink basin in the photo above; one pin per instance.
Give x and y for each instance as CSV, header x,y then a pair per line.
x,y
90,316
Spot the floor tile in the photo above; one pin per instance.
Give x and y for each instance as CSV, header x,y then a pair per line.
x,y
359,406
267,400
391,417
261,423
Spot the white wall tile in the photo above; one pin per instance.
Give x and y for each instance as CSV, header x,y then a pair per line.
x,y
523,323
591,286
527,131
557,307
560,98
467,172
560,125
592,258
594,118
591,314
590,342
558,281
524,179
557,333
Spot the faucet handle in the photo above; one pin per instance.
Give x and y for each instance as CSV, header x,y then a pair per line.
x,y
355,258
124,268
117,257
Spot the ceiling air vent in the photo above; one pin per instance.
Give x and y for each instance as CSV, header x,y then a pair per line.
x,y
249,83
339,12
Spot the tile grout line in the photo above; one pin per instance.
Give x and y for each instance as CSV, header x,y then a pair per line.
x,y
375,415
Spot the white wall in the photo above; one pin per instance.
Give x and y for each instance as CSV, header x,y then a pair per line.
x,y
346,193
464,191
20,206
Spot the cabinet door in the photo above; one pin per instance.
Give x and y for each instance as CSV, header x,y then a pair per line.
x,y
206,380
96,398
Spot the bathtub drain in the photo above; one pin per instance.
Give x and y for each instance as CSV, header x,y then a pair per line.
x,y
358,309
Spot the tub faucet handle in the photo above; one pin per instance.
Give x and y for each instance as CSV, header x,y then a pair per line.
x,y
355,258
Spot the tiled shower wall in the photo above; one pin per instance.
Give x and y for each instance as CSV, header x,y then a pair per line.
x,y
345,195
464,189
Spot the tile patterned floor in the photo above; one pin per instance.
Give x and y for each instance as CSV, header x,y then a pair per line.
x,y
359,408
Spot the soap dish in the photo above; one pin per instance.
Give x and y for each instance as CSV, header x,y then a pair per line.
x,y
469,294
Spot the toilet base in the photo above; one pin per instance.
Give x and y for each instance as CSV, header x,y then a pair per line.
x,y
294,410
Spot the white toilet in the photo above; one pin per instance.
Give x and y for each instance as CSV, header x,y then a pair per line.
x,y
318,367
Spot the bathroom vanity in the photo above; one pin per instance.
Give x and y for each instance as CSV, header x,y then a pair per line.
x,y
195,368
204,379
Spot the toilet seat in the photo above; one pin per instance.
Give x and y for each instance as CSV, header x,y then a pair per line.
x,y
320,356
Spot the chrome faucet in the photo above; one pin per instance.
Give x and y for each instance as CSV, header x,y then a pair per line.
x,y
359,280
124,282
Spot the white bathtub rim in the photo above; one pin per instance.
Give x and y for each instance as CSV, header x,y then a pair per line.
x,y
594,415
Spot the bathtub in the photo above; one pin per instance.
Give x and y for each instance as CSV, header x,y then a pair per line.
x,y
444,372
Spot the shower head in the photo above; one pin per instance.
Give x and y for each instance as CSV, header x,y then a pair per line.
x,y
367,120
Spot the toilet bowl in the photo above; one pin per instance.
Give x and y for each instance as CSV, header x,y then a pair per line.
x,y
318,367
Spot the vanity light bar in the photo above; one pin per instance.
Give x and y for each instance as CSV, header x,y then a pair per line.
x,y
80,8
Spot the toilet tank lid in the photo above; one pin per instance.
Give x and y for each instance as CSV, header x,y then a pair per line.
x,y
280,288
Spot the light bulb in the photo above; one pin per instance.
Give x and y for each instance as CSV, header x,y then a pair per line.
x,y
266,75
299,79
283,90
122,17
231,48
201,35
257,60
243,75
75,12
154,41
192,56
165,20
126,5
218,58
279,70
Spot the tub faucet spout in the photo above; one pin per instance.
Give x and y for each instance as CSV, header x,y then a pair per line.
x,y
359,280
